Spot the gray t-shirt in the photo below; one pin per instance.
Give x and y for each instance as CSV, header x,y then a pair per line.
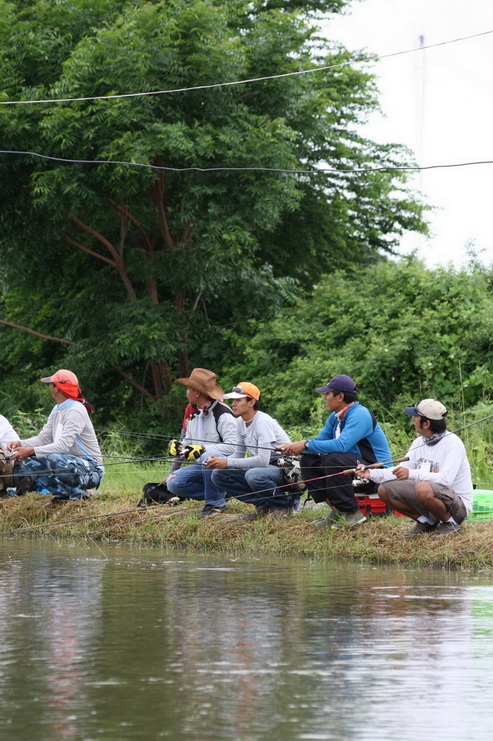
x,y
260,439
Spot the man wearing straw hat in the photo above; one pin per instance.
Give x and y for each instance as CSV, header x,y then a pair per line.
x,y
212,427
64,458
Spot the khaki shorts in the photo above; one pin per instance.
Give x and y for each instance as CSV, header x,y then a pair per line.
x,y
404,491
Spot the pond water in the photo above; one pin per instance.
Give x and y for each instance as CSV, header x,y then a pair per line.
x,y
118,643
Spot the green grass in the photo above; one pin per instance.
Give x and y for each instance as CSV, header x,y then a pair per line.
x,y
113,516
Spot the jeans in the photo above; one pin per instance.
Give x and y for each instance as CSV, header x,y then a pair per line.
x,y
253,485
195,482
63,475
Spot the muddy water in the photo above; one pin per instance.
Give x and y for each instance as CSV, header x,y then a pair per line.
x,y
122,643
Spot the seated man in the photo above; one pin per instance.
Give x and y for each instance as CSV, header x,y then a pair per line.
x,y
253,479
350,436
212,425
434,486
64,458
7,433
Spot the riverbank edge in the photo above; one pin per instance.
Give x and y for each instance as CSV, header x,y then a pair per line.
x,y
378,541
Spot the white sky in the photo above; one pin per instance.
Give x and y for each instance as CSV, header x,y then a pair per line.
x,y
439,102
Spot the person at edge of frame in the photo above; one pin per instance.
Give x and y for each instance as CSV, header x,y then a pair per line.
x,y
350,436
212,425
7,433
253,479
434,487
64,458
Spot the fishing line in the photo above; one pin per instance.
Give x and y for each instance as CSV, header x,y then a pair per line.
x,y
165,459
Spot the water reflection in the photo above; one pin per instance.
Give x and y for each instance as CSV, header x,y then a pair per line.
x,y
141,645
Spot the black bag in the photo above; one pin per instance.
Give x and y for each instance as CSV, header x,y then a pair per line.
x,y
157,494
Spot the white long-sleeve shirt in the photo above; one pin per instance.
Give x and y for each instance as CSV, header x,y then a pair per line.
x,y
68,430
444,463
260,439
7,432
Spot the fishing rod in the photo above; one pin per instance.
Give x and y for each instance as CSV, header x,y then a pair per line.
x,y
167,458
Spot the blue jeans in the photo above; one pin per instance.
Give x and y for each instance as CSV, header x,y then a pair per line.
x,y
253,485
195,482
63,475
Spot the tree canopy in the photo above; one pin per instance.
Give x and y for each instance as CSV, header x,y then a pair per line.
x,y
402,331
139,267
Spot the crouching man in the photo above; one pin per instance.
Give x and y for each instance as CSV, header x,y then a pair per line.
x,y
434,486
253,479
64,458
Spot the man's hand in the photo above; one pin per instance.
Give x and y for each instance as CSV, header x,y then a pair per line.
x,y
361,472
214,462
401,472
21,452
14,444
292,448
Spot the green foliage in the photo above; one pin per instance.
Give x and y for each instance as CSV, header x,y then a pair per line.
x,y
137,270
403,332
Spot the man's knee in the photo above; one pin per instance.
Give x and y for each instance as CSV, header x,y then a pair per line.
x,y
424,492
382,493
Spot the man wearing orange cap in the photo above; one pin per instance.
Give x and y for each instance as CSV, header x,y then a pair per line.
x,y
253,479
64,457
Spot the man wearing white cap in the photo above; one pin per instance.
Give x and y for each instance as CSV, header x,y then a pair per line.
x,y
434,486
254,479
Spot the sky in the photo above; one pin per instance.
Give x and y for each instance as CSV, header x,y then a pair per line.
x,y
438,102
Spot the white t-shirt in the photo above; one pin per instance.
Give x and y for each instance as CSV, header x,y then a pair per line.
x,y
260,438
7,432
444,463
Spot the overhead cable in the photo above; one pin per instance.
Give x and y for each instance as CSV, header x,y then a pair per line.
x,y
294,171
242,82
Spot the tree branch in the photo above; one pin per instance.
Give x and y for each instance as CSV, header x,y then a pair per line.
x,y
158,194
38,334
89,251
134,383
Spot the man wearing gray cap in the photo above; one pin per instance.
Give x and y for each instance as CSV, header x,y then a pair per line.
x,y
434,486
350,436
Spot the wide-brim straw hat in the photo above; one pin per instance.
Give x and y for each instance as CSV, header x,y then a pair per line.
x,y
203,381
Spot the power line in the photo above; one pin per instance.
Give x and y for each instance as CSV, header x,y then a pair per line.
x,y
329,170
245,81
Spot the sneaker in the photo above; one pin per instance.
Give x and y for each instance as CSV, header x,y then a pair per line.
x,y
446,528
348,519
257,514
279,514
55,502
326,521
209,511
419,529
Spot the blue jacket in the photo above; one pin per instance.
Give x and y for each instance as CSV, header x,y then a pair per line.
x,y
361,435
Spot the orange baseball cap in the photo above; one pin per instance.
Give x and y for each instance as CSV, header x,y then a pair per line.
x,y
66,381
242,390
62,376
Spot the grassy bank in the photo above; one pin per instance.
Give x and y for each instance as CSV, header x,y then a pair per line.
x,y
113,516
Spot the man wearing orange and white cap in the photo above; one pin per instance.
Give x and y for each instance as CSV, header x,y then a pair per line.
x,y
64,457
254,479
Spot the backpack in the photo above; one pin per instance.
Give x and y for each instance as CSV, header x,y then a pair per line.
x,y
157,494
